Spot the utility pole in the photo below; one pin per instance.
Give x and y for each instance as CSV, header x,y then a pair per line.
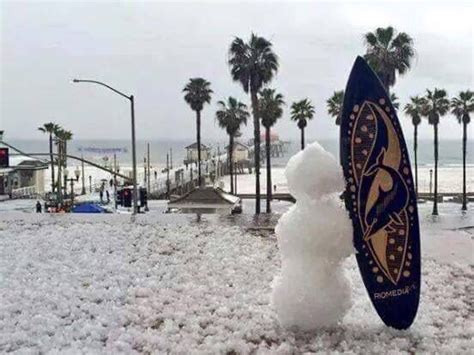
x,y
72,191
171,158
83,192
115,181
235,178
148,159
134,153
168,175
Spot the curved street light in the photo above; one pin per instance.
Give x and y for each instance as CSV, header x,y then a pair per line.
x,y
134,156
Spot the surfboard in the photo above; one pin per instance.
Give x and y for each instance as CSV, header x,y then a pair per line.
x,y
380,198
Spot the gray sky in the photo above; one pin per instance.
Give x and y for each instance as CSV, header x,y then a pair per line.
x,y
150,49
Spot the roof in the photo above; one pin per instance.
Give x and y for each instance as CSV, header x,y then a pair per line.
x,y
239,144
205,197
194,146
26,162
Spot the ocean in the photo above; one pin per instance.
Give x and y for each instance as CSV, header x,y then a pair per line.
x,y
450,151
449,172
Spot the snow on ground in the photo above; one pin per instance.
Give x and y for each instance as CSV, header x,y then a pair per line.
x,y
167,283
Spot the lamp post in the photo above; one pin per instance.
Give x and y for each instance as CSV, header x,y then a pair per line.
x,y
134,155
431,181
83,191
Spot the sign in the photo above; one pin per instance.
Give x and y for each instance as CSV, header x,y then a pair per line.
x,y
4,158
380,198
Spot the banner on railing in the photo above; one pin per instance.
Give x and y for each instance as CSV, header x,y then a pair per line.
x,y
102,151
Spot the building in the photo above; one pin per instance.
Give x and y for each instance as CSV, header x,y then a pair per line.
x,y
192,153
24,176
240,152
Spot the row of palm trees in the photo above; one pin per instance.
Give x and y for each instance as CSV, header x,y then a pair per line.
x,y
253,64
58,137
232,114
432,106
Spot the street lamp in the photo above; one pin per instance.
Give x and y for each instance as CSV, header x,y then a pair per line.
x,y
134,156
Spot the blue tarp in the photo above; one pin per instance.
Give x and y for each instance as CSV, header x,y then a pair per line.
x,y
88,208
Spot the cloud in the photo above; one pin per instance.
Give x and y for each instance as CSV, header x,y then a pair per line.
x,y
151,49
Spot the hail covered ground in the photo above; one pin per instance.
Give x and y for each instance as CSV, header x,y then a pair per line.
x,y
159,283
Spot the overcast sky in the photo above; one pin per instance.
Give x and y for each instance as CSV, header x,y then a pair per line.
x,y
151,49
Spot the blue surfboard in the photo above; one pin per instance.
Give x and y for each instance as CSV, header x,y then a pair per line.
x,y
380,198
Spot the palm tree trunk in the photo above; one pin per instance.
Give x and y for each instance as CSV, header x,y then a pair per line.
x,y
302,138
269,169
231,170
256,136
415,148
65,155
464,142
435,203
53,187
198,129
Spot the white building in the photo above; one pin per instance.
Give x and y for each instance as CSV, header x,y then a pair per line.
x,y
240,152
24,175
192,153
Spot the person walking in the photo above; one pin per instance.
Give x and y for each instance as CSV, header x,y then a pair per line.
x,y
101,192
107,195
38,207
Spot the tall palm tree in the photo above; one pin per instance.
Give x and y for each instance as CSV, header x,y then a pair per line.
x,y
60,134
253,64
389,53
270,109
301,112
334,105
461,106
198,92
66,136
436,106
50,129
414,109
230,116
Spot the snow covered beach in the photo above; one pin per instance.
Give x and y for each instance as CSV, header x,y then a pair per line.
x,y
169,283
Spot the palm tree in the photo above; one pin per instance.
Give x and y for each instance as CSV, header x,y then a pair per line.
x,y
60,134
334,105
394,100
414,109
389,53
270,109
461,106
301,112
253,64
198,92
230,116
50,128
65,137
436,106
